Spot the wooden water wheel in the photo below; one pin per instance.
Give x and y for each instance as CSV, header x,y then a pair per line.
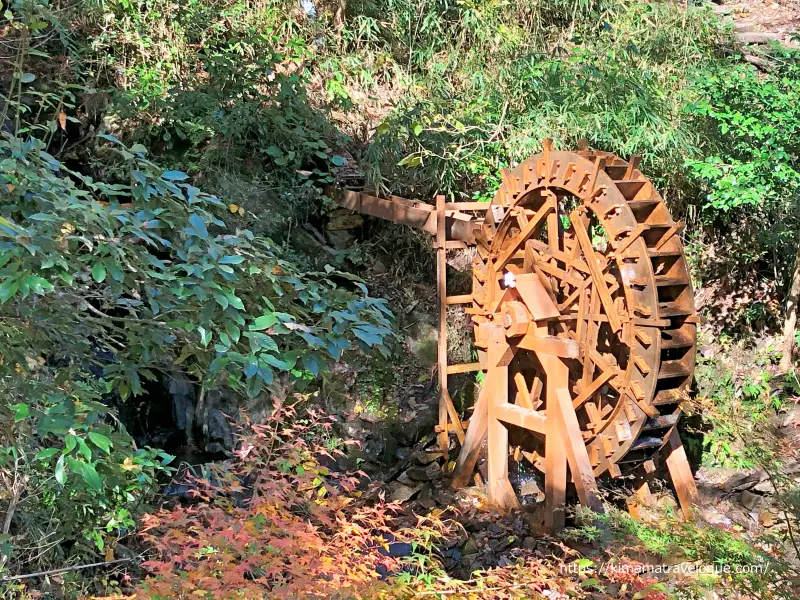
x,y
583,319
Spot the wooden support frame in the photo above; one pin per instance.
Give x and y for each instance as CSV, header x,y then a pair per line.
x,y
681,473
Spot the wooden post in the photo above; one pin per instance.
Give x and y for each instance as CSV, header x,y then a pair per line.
x,y
501,494
681,473
441,287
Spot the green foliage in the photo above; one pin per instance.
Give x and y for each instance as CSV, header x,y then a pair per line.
x,y
733,564
487,86
750,173
735,410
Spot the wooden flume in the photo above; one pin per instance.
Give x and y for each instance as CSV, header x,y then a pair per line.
x,y
583,319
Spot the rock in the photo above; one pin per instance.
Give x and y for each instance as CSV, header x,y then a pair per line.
x,y
218,437
470,547
401,493
764,487
410,432
405,479
182,393
529,543
744,481
418,473
667,502
426,498
381,447
402,453
529,487
378,268
421,340
341,240
425,458
749,500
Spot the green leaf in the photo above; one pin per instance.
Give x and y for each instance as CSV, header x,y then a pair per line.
x,y
263,322
339,161
99,272
60,473
27,78
91,476
101,441
233,259
47,453
84,449
174,176
21,411
8,289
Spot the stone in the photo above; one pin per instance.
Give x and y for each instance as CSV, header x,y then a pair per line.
x,y
410,432
218,435
405,479
421,341
529,543
426,498
764,487
470,547
418,473
667,502
401,493
378,268
749,500
425,458
744,481
181,392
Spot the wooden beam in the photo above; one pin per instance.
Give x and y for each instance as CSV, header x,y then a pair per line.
x,y
509,252
521,417
463,368
595,270
441,347
535,297
460,299
681,473
458,426
499,489
593,387
577,455
549,344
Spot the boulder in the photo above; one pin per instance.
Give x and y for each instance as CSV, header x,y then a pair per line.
x,y
749,500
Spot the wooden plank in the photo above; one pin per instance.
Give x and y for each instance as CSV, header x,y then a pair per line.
x,y
535,297
555,456
528,230
668,234
681,473
441,347
577,455
463,368
551,345
633,164
499,489
461,299
524,395
458,427
477,206
593,387
595,270
521,417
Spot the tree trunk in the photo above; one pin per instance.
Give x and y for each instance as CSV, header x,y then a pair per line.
x,y
790,324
